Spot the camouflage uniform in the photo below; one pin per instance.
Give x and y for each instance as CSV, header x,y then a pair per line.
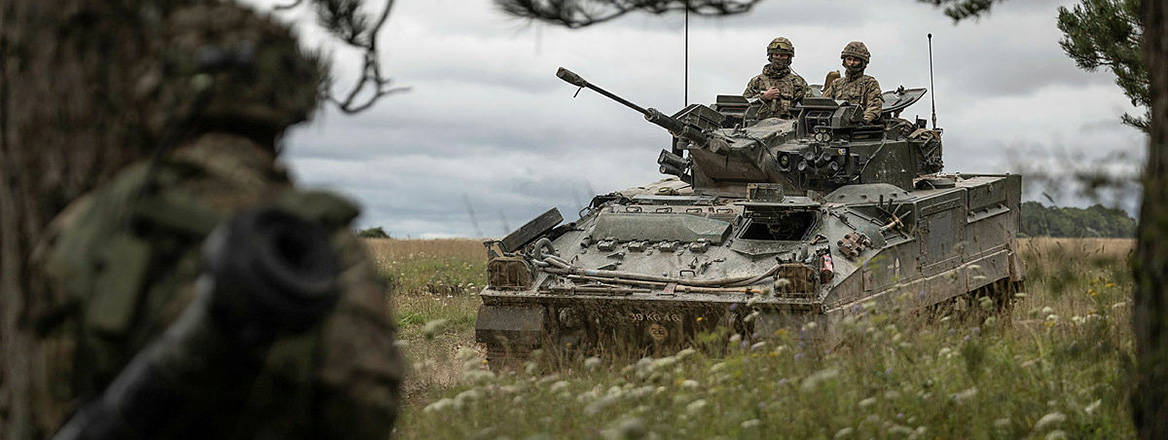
x,y
855,87
792,87
122,261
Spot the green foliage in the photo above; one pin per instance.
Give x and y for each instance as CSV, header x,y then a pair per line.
x,y
961,9
1097,221
374,232
1109,33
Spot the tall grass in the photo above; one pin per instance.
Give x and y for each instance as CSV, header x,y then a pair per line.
x,y
1054,366
443,266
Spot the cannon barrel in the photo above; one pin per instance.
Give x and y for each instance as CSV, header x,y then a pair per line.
x,y
675,127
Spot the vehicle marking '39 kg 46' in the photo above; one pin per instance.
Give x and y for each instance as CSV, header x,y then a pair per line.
x,y
655,317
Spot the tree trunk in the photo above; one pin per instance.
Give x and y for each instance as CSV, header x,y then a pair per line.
x,y
69,119
1150,319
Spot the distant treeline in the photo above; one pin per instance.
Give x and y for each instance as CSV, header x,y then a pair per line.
x,y
1096,221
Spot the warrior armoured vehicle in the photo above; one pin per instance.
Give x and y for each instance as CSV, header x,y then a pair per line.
x,y
764,224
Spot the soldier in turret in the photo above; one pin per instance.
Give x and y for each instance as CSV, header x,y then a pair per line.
x,y
855,87
777,86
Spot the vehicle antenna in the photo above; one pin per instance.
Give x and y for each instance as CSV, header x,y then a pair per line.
x,y
687,53
932,96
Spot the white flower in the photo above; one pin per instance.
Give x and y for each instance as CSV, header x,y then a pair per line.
x,y
478,376
818,377
867,402
592,363
433,328
689,384
751,424
1093,406
1049,421
559,386
844,433
962,396
439,406
696,406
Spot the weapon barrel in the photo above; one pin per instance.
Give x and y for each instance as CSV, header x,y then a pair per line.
x,y
270,274
677,128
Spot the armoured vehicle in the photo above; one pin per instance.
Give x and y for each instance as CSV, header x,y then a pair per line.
x,y
763,224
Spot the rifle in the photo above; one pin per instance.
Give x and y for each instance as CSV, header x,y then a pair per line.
x,y
267,274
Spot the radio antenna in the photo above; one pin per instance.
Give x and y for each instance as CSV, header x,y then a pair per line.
x,y
686,53
932,96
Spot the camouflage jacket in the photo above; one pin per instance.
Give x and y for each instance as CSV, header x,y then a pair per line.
x,y
863,91
122,264
792,89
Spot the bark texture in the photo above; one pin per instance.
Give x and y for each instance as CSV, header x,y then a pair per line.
x,y
69,118
1150,397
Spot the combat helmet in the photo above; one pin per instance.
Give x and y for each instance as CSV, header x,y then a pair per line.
x,y
781,45
858,50
227,68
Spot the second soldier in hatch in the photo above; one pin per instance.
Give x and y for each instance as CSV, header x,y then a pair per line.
x,y
855,87
777,87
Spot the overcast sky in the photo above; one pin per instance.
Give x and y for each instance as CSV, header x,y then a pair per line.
x,y
486,126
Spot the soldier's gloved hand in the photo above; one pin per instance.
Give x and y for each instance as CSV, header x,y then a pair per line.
x,y
771,93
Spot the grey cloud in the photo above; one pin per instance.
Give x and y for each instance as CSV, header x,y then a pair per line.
x,y
487,118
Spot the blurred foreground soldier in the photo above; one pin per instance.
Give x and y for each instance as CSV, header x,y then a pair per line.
x,y
286,334
777,87
855,87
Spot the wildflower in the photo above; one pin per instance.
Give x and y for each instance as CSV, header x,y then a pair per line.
x,y
592,363
681,355
844,433
867,402
433,328
559,386
478,376
1057,434
1049,421
599,405
689,384
631,428
751,424
466,397
696,406
812,382
1093,406
758,345
965,395
439,406
900,429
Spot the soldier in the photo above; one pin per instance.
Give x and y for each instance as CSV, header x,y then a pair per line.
x,y
777,86
122,261
855,87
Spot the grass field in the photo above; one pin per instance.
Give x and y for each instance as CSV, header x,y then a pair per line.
x,y
1054,366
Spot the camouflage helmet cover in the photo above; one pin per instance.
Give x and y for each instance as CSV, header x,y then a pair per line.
x,y
781,45
858,50
225,66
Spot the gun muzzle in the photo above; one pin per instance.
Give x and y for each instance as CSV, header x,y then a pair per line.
x,y
571,77
671,170
669,158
